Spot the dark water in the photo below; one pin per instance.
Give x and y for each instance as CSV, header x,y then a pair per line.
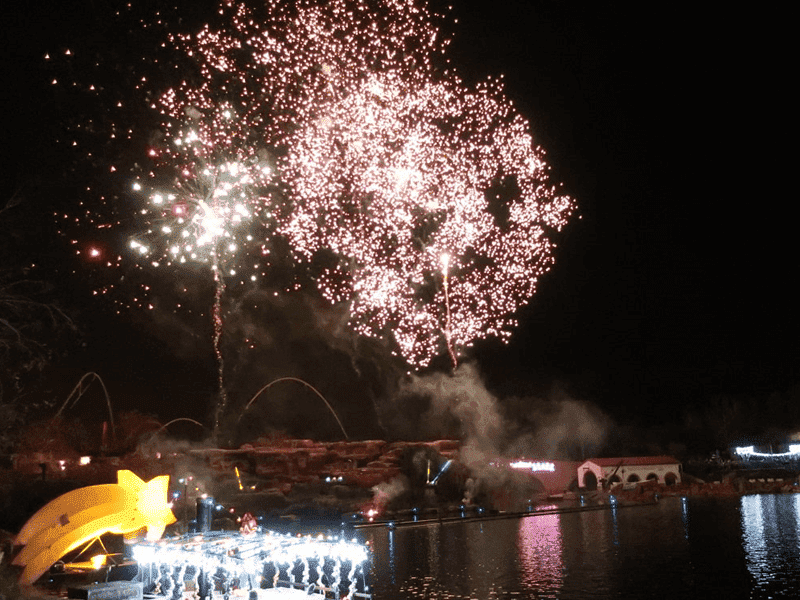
x,y
745,547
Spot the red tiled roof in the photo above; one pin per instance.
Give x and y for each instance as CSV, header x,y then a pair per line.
x,y
634,461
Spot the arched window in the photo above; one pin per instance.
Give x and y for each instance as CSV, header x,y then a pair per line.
x,y
633,478
614,479
670,479
652,477
590,480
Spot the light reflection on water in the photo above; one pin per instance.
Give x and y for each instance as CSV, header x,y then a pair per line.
x,y
539,548
771,535
680,548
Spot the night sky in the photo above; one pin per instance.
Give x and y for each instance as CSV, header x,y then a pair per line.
x,y
669,126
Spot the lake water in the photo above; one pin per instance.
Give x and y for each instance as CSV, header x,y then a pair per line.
x,y
746,547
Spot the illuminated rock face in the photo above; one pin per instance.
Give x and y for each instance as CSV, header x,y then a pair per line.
x,y
81,515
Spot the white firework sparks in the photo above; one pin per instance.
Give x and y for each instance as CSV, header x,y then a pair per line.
x,y
386,162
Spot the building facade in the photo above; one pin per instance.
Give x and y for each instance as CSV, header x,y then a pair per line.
x,y
597,472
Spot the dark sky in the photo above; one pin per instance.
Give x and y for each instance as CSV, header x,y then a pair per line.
x,y
666,126
670,127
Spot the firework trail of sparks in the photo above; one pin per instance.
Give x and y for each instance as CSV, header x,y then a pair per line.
x,y
448,323
420,203
208,213
219,288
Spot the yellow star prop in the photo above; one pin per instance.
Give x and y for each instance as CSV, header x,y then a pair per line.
x,y
86,513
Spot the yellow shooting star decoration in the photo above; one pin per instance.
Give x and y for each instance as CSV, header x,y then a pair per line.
x,y
81,515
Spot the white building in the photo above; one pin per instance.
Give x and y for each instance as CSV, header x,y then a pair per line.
x,y
629,469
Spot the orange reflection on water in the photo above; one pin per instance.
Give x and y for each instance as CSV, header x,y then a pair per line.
x,y
540,552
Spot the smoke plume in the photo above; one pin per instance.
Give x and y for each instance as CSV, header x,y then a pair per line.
x,y
459,405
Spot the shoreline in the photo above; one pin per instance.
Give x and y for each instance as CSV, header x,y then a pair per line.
x,y
619,497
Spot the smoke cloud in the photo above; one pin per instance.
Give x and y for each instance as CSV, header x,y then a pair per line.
x,y
269,335
459,405
557,426
384,493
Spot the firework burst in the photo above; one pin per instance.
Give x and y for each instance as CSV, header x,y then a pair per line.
x,y
422,204
406,201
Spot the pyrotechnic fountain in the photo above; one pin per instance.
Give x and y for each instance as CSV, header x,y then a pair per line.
x,y
305,384
80,389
